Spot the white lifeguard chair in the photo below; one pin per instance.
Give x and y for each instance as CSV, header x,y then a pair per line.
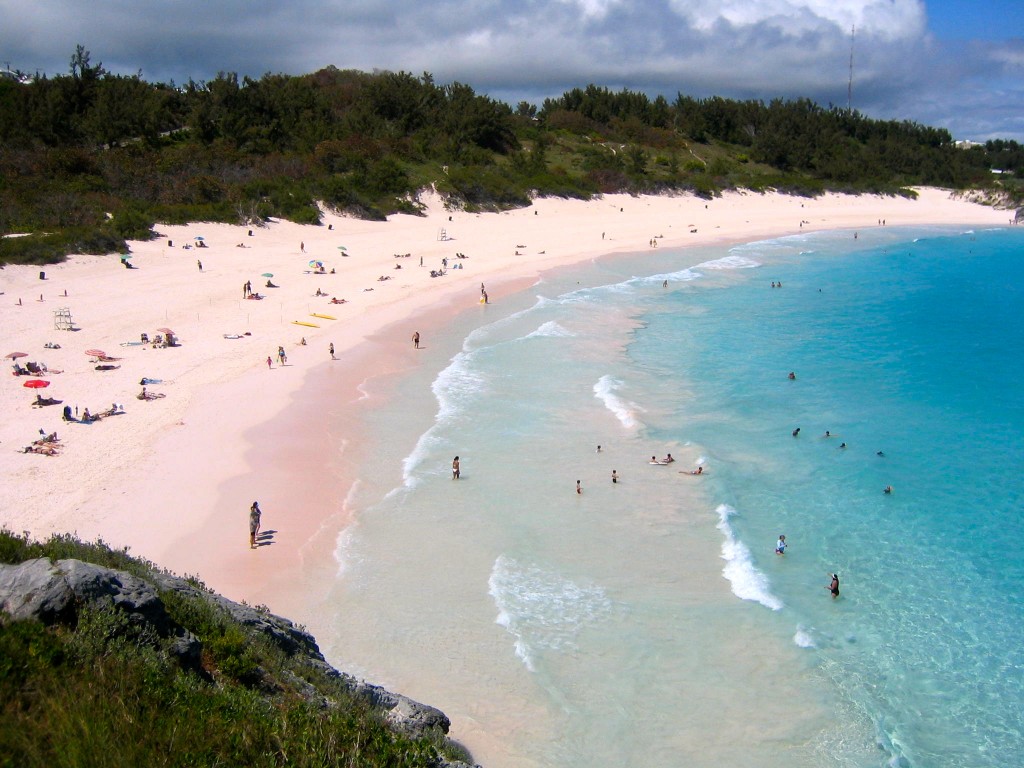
x,y
62,319
442,234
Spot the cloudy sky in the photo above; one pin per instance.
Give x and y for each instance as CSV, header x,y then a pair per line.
x,y
957,64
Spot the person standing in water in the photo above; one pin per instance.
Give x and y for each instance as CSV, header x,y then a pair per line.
x,y
780,546
833,586
455,468
615,476
416,340
579,488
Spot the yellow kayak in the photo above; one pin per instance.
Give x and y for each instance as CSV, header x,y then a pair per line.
x,y
325,317
308,325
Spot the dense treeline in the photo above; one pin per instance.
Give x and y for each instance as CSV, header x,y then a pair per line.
x,y
92,158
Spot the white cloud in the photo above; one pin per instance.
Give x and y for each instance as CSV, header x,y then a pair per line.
x,y
887,19
536,48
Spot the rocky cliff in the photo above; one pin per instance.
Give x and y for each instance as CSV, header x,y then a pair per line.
x,y
57,592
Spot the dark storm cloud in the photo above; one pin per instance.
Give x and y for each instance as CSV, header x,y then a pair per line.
x,y
537,48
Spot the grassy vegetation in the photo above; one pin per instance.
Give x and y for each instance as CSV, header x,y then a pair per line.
x,y
106,692
91,159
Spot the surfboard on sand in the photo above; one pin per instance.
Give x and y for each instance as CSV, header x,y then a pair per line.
x,y
308,325
325,317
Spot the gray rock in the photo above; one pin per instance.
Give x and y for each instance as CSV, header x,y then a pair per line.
x,y
35,590
411,717
51,592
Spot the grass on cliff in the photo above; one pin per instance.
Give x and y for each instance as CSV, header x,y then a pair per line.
x,y
107,693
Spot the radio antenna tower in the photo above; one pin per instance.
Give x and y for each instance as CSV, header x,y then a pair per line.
x,y
849,85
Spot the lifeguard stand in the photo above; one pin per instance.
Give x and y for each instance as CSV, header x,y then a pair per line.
x,y
62,319
442,234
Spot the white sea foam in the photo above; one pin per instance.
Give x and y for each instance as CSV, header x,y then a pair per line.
x,y
549,329
748,583
453,388
542,610
624,410
345,552
456,384
480,336
803,638
679,276
733,261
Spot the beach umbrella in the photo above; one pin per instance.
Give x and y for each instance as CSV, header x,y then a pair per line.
x,y
95,353
316,264
200,237
268,274
165,330
342,248
15,355
36,383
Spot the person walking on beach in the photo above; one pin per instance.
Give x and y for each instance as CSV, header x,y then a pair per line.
x,y
200,263
615,476
416,340
455,468
254,523
833,586
282,358
579,488
270,362
780,547
331,348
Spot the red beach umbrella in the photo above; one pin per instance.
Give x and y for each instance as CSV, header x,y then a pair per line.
x,y
95,353
36,384
15,355
165,330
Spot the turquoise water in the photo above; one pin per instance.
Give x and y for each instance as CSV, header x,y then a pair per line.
x,y
649,622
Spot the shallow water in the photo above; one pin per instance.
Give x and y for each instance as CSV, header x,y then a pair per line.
x,y
649,622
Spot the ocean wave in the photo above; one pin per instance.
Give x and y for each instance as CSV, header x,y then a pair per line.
x,y
679,276
428,443
748,583
479,337
542,610
550,329
624,410
734,261
456,384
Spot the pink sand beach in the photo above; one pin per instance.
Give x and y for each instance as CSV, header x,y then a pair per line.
x,y
173,477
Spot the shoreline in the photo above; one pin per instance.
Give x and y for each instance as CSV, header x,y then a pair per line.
x,y
172,479
109,481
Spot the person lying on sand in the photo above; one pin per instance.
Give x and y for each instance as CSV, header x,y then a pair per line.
x,y
254,296
337,301
46,450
